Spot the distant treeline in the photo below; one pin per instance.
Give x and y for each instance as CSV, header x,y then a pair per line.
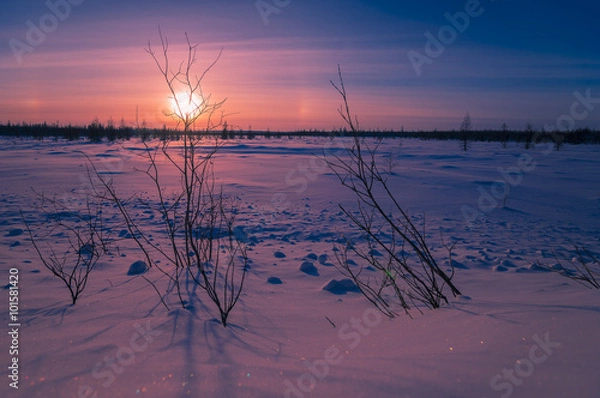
x,y
97,132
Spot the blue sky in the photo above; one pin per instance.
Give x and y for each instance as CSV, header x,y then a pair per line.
x,y
516,62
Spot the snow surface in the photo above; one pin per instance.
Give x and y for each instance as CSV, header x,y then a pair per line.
x,y
516,331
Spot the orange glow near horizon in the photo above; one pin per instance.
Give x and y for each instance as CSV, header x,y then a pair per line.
x,y
94,65
266,88
277,89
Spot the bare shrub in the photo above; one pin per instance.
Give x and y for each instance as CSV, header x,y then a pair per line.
x,y
585,269
394,247
199,243
70,242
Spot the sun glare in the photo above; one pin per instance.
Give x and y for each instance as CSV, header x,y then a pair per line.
x,y
184,105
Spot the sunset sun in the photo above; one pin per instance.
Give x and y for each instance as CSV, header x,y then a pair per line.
x,y
184,105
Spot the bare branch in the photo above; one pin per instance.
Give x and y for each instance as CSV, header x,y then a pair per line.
x,y
411,279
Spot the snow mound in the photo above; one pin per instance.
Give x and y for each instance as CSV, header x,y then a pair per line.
x,y
312,256
279,255
14,232
273,280
86,250
458,265
309,268
324,260
137,268
341,286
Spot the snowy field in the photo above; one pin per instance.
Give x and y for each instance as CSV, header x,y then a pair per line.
x,y
517,331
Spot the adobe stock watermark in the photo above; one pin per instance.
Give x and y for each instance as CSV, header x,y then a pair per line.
x,y
36,33
351,332
266,8
580,110
510,378
111,366
489,199
434,47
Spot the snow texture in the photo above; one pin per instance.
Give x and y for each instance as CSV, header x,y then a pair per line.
x,y
518,330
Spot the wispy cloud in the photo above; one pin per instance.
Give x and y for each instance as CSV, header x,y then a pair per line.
x,y
278,75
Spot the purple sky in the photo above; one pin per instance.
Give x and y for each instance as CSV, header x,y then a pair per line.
x,y
502,61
